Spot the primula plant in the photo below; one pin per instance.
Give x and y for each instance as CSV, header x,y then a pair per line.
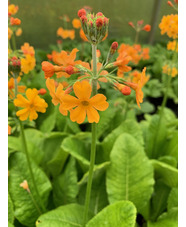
x,y
87,145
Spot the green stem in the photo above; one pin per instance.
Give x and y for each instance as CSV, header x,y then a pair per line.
x,y
93,144
27,154
34,202
137,37
13,41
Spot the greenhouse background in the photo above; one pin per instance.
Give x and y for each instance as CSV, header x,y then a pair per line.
x,y
41,19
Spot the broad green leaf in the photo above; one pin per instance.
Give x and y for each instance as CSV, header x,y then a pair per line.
x,y
34,139
105,118
168,160
98,199
121,214
64,216
173,199
155,137
24,208
128,126
52,151
65,188
159,200
77,149
130,174
14,143
10,224
167,173
171,147
10,210
48,123
147,107
169,219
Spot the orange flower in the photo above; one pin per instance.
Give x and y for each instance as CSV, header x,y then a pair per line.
x,y
10,32
56,94
27,49
12,9
136,76
11,86
121,62
18,32
82,35
137,87
9,130
172,45
64,33
84,104
31,105
170,71
15,21
50,69
76,23
28,63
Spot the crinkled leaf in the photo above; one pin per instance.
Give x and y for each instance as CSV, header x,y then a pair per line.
x,y
130,174
173,199
128,126
70,215
121,214
25,210
10,210
167,173
65,187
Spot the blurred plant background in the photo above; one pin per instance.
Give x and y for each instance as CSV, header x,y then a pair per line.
x,y
41,19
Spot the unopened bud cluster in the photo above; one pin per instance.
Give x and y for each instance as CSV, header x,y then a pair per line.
x,y
95,27
14,64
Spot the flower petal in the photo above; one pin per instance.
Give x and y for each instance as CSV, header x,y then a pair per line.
x,y
82,90
92,115
21,101
69,102
33,115
23,114
78,114
62,111
31,93
99,102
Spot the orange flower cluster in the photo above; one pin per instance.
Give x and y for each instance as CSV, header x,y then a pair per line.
x,y
11,87
169,25
172,45
66,33
28,62
31,105
136,52
170,71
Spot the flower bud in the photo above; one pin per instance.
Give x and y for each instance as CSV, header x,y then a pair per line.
x,y
99,14
42,91
147,28
140,22
131,24
15,21
81,12
126,90
170,3
99,23
69,69
83,18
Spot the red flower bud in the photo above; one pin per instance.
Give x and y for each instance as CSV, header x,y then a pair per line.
x,y
106,20
59,41
147,28
126,90
131,24
83,18
176,1
81,12
69,69
114,45
140,22
99,14
42,91
99,22
170,3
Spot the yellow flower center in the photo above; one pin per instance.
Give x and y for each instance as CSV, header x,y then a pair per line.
x,y
85,103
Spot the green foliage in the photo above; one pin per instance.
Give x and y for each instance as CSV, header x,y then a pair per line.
x,y
122,213
24,207
130,174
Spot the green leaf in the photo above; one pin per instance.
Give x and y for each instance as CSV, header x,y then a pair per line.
x,y
105,118
147,107
168,160
169,219
65,188
98,199
10,224
159,200
128,126
173,199
122,214
77,149
64,216
10,210
167,173
25,209
130,175
53,155
48,123
155,137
